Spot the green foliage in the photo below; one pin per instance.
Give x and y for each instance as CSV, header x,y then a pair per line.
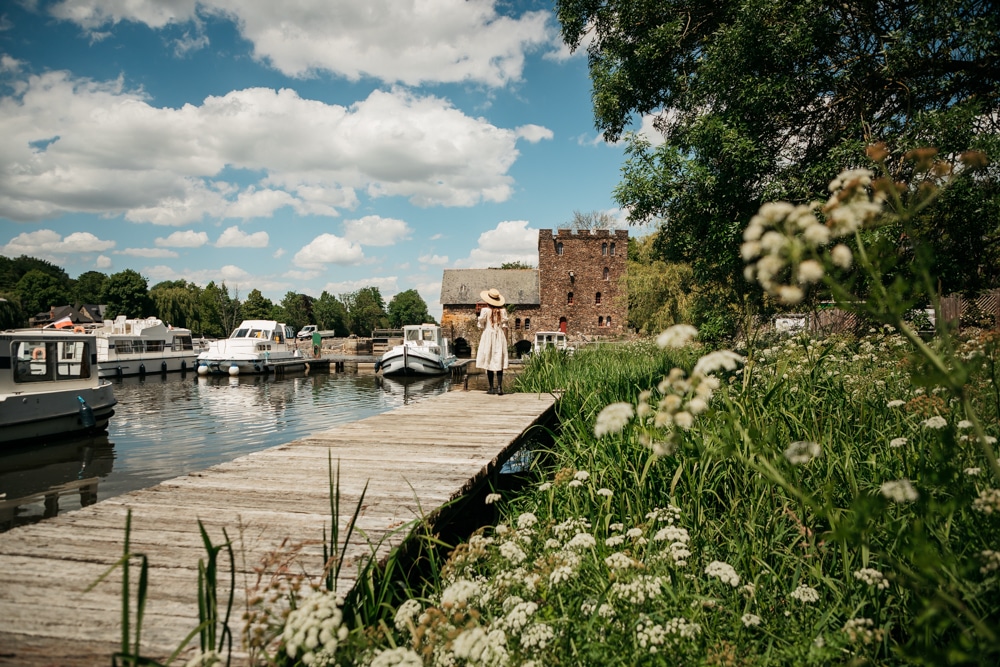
x,y
515,265
126,293
176,303
87,287
659,293
296,310
13,269
39,291
365,311
11,314
408,307
330,314
220,311
256,307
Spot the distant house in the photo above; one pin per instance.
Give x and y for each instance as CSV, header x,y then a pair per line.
x,y
78,315
577,288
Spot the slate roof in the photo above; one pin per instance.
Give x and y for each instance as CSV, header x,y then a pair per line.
x,y
462,286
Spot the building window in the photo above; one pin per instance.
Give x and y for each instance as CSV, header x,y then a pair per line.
x,y
607,273
569,298
604,248
608,321
612,249
597,299
517,323
559,247
527,323
600,321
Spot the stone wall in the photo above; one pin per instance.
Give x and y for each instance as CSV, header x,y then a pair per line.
x,y
581,280
461,321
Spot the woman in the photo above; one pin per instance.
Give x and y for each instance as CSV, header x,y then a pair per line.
x,y
492,352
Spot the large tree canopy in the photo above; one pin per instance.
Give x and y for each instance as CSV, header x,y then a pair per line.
x,y
408,307
760,100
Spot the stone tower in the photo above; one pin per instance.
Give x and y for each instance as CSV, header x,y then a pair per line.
x,y
581,281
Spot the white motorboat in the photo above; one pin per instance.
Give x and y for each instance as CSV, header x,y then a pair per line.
x,y
49,385
144,346
424,352
254,347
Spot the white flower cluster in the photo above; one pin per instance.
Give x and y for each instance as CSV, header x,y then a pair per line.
x,y
678,538
405,615
512,552
650,637
459,593
567,564
537,635
872,577
582,541
397,657
805,594
899,491
676,336
612,419
682,628
750,620
991,561
937,422
620,561
861,630
526,521
779,240
802,452
644,587
897,442
570,526
478,647
314,627
518,615
492,498
724,572
988,501
669,514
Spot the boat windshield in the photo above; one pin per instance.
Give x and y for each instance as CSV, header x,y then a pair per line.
x,y
240,333
49,361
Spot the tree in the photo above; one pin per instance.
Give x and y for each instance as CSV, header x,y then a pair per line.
x,y
330,314
297,309
365,310
219,310
769,99
515,265
660,294
12,270
11,314
177,303
126,293
257,307
87,287
38,291
408,308
592,220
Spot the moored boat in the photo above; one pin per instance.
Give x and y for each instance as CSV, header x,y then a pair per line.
x,y
144,346
254,347
49,385
424,351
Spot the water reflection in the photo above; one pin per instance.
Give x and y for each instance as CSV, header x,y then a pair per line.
x,y
167,426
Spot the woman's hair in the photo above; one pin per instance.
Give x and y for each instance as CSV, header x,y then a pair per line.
x,y
496,317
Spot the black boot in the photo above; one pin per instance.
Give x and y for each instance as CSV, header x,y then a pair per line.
x,y
489,378
499,383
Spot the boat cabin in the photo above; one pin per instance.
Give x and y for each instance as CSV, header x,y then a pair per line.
x,y
266,330
36,356
556,339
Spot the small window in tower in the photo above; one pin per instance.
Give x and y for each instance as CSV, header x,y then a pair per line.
x,y
600,321
612,249
559,247
527,323
608,321
569,298
597,299
604,248
607,273
517,323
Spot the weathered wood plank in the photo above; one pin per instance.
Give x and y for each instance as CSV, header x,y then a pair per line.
x,y
413,459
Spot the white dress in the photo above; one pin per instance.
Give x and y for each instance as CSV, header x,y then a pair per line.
x,y
492,352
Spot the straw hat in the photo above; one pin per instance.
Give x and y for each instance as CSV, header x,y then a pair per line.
x,y
492,297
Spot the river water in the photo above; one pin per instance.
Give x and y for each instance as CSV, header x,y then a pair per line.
x,y
169,426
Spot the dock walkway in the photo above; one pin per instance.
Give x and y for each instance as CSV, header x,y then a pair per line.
x,y
414,459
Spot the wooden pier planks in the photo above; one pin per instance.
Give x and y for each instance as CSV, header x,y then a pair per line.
x,y
414,459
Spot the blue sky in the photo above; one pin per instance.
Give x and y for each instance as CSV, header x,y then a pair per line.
x,y
292,146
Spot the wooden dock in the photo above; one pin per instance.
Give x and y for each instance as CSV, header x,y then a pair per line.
x,y
414,459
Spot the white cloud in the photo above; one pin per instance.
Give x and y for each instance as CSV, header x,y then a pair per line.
x,y
534,133
236,279
185,239
328,249
234,238
147,252
407,42
387,286
70,145
375,230
510,241
102,262
46,244
280,252
437,260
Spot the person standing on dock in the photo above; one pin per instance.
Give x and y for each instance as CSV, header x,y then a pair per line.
x,y
492,353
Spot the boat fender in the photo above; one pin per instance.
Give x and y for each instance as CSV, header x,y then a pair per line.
x,y
163,367
142,370
86,414
77,329
119,372
184,366
38,354
378,365
234,370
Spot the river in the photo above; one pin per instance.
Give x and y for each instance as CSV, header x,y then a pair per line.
x,y
165,427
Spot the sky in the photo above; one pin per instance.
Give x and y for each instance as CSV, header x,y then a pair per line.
x,y
300,146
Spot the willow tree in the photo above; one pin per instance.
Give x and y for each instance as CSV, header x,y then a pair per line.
x,y
760,100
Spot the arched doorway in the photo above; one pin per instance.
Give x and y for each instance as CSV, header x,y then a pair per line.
x,y
462,349
562,324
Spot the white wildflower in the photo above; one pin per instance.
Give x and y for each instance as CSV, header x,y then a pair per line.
x,y
619,561
895,403
492,498
526,520
682,628
315,626
801,452
638,591
972,472
607,493
397,657
964,424
897,442
405,615
678,335
988,501
790,295
684,420
582,541
861,630
460,592
750,620
537,636
810,271
841,256
512,552
545,486
872,577
615,540
574,484
724,572
991,561
899,491
805,594
613,418
936,422
714,362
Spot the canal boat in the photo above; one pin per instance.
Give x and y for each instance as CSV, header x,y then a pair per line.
x,y
128,347
551,339
49,385
255,347
424,351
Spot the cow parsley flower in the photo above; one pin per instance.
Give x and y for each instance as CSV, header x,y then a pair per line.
x,y
613,418
492,498
988,501
526,520
750,620
895,403
724,572
315,626
405,615
713,362
678,335
937,422
897,442
397,657
605,492
802,452
805,594
899,491
872,577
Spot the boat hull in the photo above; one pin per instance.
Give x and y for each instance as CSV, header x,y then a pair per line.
x,y
403,361
147,366
250,366
49,414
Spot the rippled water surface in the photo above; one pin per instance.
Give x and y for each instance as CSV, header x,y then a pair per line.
x,y
167,427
